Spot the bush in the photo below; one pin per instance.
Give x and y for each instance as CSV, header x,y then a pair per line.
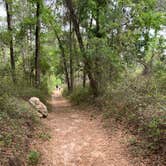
x,y
139,102
17,120
44,136
80,95
65,92
33,157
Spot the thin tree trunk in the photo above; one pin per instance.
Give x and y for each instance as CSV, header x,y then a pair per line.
x,y
37,50
97,20
64,63
63,56
84,77
64,60
71,58
9,24
93,84
4,59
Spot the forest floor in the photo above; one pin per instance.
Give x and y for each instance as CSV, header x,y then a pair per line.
x,y
78,138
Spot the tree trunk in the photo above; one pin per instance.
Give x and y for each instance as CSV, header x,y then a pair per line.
x,y
9,24
97,20
84,77
71,59
37,49
64,60
4,53
87,63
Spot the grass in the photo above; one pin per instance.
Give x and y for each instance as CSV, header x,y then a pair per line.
x,y
33,157
18,119
79,95
44,136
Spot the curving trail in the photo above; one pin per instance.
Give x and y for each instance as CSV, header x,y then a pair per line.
x,y
77,140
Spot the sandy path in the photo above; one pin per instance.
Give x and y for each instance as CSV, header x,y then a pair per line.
x,y
77,140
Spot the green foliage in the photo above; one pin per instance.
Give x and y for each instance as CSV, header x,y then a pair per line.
x,y
13,108
17,117
140,104
65,92
107,115
52,82
33,157
103,60
119,42
132,141
80,95
159,72
44,136
17,120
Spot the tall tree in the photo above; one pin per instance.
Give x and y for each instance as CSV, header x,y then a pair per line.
x,y
8,5
71,56
37,42
93,83
64,60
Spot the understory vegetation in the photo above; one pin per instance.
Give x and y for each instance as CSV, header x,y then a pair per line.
x,y
107,53
139,103
18,120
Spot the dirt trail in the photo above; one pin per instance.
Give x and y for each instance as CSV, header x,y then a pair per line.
x,y
77,140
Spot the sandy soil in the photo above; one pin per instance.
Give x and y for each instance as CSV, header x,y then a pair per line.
x,y
79,140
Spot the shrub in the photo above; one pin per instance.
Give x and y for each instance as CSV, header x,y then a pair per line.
x,y
44,136
139,102
80,95
65,92
33,157
17,120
